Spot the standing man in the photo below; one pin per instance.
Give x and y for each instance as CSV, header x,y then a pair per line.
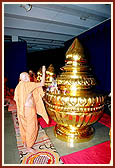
x,y
28,96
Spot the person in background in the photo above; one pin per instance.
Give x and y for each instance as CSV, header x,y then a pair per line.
x,y
8,93
31,76
28,96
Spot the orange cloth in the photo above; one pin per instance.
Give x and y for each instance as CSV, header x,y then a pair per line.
x,y
12,105
38,94
21,93
27,116
28,126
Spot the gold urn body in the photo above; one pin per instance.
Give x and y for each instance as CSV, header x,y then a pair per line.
x,y
76,105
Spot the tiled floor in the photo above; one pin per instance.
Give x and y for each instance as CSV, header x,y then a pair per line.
x,y
11,155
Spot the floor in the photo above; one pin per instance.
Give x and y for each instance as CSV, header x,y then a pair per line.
x,y
64,148
11,155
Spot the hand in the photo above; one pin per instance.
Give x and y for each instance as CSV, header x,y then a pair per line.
x,y
43,69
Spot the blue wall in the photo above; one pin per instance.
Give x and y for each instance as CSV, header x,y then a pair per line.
x,y
14,61
97,45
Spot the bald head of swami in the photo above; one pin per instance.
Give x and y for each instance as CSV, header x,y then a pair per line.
x,y
24,76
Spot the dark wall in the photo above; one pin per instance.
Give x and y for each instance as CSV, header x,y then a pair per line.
x,y
97,45
55,56
14,61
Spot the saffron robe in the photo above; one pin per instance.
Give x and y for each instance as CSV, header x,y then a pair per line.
x,y
27,116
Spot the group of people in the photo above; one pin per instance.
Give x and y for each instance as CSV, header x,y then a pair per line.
x,y
8,92
28,96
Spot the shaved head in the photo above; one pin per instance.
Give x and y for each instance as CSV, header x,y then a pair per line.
x,y
24,76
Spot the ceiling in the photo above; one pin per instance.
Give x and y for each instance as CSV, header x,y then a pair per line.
x,y
49,26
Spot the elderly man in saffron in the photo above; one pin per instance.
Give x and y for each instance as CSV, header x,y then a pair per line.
x,y
28,96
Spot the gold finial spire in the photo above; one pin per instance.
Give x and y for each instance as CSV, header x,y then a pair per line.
x,y
50,69
75,50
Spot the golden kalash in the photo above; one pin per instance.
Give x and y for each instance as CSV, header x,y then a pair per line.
x,y
50,75
75,105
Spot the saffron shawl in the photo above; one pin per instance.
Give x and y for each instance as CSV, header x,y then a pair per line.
x,y
21,93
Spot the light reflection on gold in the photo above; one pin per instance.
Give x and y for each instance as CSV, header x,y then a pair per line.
x,y
74,77
74,63
69,56
74,71
72,129
75,57
73,89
